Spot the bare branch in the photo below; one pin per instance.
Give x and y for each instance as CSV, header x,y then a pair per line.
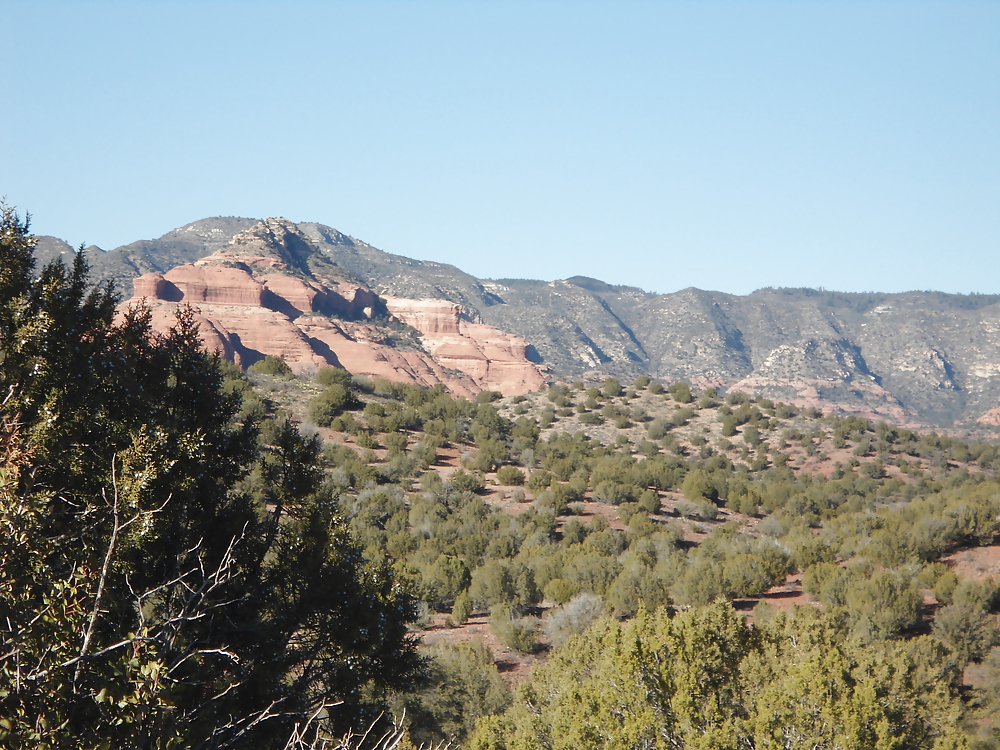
x,y
112,543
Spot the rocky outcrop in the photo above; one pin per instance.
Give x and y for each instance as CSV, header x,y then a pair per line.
x,y
266,293
243,333
990,418
211,284
495,360
432,317
361,349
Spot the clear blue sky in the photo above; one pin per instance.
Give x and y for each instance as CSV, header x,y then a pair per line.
x,y
724,145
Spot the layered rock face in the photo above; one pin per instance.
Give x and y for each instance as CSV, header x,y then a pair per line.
x,y
494,359
269,292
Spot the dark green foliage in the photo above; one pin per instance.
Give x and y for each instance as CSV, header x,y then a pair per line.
x,y
505,584
510,475
488,397
698,485
465,481
271,365
707,680
149,599
462,685
518,633
462,609
328,376
443,581
751,434
330,403
611,388
681,392
680,417
873,604
649,502
967,630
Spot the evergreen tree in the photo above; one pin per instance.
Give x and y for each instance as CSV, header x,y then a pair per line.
x,y
148,598
703,679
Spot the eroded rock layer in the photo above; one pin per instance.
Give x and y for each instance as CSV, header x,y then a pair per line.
x,y
493,358
269,292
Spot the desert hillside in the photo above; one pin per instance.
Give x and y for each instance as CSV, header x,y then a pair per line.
x,y
919,358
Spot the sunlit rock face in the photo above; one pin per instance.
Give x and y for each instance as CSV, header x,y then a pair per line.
x,y
270,292
494,359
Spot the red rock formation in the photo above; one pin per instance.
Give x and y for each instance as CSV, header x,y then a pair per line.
x,y
244,333
154,286
429,316
247,307
494,359
215,284
361,354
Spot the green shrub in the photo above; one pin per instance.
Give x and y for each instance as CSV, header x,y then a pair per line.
x,y
510,475
395,442
681,392
271,365
518,633
559,590
330,403
466,481
649,501
611,388
329,375
658,428
462,609
680,417
698,486
366,440
627,510
539,480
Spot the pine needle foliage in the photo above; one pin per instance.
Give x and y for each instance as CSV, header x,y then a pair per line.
x,y
148,598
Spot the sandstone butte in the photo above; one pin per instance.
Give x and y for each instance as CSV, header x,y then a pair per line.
x,y
256,296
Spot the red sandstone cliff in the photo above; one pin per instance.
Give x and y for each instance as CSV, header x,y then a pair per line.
x,y
265,294
494,359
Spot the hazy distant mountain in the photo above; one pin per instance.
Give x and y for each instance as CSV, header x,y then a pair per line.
x,y
922,356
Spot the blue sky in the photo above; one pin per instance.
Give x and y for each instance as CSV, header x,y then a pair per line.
x,y
723,145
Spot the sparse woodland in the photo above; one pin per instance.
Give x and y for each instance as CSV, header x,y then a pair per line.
x,y
194,556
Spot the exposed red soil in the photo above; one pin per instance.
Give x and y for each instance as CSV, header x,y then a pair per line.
x,y
513,666
977,563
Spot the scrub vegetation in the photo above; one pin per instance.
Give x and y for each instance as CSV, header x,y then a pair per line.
x,y
196,556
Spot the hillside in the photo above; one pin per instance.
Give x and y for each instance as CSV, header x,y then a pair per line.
x,y
921,358
494,568
522,520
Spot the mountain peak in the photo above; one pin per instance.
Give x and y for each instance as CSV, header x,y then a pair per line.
x,y
272,242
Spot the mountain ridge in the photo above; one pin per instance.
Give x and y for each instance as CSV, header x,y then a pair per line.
x,y
914,357
271,291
